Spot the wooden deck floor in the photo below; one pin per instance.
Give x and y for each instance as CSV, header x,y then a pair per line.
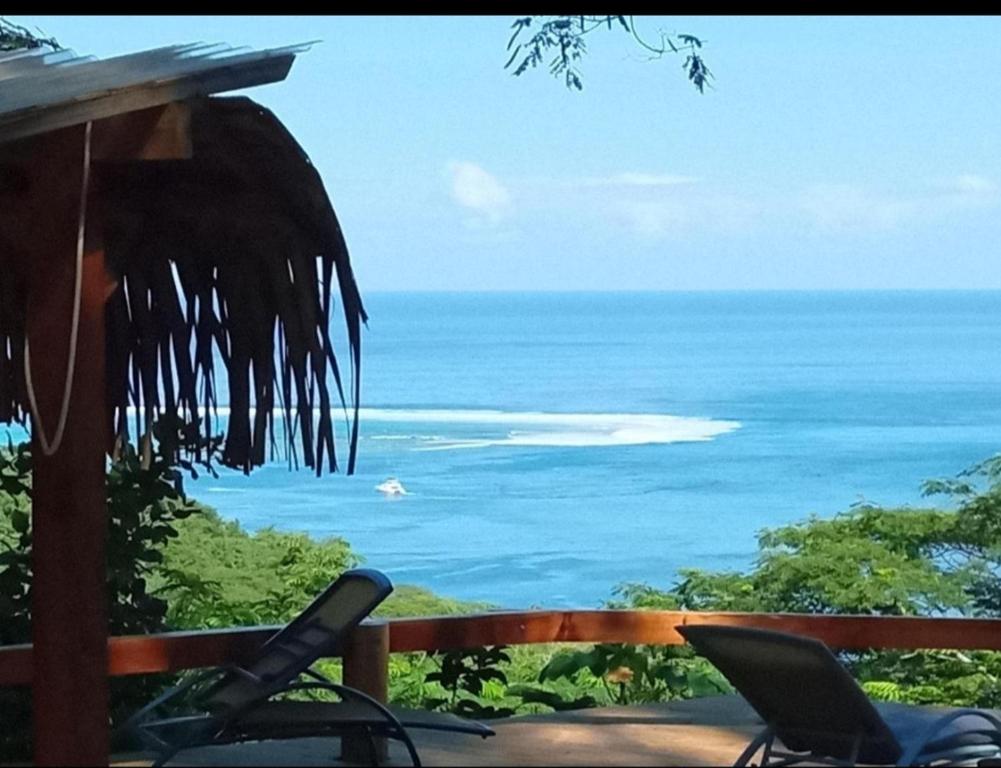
x,y
710,731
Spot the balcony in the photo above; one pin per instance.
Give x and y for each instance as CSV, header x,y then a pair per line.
x,y
708,731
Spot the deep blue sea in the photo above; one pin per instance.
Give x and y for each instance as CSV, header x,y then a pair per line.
x,y
554,445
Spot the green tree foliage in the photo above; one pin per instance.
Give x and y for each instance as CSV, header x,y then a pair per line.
x,y
866,561
559,42
871,560
215,574
144,506
466,676
636,674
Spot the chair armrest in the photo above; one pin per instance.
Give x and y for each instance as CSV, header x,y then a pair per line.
x,y
137,717
345,692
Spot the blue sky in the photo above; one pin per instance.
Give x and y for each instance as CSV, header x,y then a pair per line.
x,y
832,153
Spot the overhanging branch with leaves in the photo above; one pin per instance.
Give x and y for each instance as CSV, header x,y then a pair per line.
x,y
536,37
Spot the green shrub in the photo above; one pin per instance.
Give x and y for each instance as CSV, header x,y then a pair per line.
x,y
144,506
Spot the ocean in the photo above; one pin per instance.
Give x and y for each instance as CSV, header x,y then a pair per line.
x,y
555,445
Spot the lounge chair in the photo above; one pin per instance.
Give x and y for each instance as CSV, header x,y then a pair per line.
x,y
234,703
815,709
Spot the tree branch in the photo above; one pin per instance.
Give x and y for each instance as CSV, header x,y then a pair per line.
x,y
565,35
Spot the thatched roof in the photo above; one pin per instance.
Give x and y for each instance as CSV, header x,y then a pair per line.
x,y
247,233
232,253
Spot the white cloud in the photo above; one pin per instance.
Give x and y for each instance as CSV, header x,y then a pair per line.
x,y
660,205
650,206
674,215
479,191
654,218
840,207
970,183
852,207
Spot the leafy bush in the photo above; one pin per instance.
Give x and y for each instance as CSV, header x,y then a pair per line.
x,y
467,677
637,674
144,506
215,574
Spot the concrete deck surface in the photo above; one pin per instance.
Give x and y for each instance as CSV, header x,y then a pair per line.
x,y
709,731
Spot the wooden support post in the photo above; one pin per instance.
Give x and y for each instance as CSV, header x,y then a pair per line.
x,y
69,516
366,667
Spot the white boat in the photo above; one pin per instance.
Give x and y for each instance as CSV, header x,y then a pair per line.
x,y
391,487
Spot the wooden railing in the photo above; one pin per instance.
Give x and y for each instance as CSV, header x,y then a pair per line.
x,y
366,655
657,628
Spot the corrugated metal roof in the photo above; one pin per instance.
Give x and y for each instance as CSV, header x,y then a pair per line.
x,y
41,91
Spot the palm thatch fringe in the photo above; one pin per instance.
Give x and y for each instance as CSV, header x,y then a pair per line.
x,y
234,253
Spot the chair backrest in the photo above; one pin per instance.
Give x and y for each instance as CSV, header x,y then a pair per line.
x,y
799,688
313,634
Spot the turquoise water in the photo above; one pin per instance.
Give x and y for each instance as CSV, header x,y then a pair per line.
x,y
537,439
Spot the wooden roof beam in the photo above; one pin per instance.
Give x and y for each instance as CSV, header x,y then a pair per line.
x,y
159,133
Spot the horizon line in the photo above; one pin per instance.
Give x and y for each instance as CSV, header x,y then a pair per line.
x,y
677,290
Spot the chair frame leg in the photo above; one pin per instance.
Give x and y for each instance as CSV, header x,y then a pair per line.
x,y
765,738
773,757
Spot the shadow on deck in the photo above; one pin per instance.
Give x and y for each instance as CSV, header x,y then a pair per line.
x,y
710,731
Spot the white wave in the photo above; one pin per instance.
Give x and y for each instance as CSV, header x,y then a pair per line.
x,y
561,429
546,429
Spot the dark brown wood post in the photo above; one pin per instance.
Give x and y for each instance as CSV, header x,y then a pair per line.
x,y
366,667
69,516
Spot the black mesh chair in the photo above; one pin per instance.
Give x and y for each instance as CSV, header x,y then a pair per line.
x,y
819,714
236,703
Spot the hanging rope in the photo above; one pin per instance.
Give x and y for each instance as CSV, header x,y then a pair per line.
x,y
50,448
